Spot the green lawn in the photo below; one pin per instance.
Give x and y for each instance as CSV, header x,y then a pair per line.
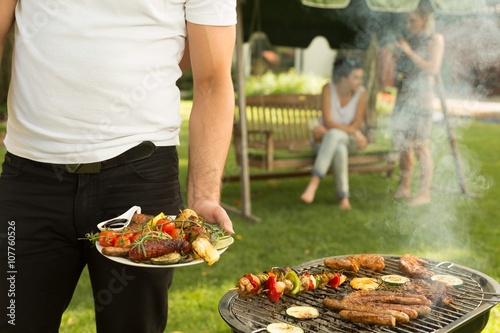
x,y
462,229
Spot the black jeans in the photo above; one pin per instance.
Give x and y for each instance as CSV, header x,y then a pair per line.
x,y
45,212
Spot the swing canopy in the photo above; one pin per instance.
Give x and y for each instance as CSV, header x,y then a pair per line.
x,y
346,24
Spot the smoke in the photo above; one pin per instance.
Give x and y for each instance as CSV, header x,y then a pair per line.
x,y
472,49
441,228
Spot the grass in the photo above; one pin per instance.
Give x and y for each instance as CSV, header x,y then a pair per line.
x,y
462,229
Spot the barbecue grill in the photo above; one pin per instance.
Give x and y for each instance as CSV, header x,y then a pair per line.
x,y
469,312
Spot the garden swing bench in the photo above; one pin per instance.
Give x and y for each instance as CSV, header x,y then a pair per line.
x,y
279,137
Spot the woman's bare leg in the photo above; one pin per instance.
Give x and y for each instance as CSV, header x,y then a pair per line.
x,y
424,156
310,191
405,172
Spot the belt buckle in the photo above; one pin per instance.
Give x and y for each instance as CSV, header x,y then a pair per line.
x,y
84,168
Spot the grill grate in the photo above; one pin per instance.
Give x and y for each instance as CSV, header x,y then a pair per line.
x,y
257,312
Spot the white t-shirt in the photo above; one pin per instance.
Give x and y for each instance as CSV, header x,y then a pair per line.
x,y
93,78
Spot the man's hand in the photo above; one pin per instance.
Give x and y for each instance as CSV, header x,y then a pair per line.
x,y
213,213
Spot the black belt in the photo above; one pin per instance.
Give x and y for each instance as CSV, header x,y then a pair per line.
x,y
139,152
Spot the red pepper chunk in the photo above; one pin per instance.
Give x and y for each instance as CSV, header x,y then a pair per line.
x,y
254,281
310,279
275,289
335,281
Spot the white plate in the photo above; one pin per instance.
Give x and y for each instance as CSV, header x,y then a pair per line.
x,y
221,248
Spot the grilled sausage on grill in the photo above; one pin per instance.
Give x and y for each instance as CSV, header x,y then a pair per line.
x,y
413,311
156,248
380,293
395,300
368,318
410,310
401,317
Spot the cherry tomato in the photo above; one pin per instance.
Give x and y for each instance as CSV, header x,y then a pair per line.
x,y
165,225
177,233
174,234
122,241
107,238
134,236
126,233
131,235
162,221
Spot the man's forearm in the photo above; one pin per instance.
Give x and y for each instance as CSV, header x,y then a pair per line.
x,y
210,130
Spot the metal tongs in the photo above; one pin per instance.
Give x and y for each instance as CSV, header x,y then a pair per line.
x,y
494,300
121,221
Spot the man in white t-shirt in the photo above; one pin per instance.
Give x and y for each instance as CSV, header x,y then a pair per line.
x,y
93,125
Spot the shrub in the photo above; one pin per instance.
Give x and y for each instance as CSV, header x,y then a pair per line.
x,y
284,83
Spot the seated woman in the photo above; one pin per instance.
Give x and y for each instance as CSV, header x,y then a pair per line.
x,y
344,106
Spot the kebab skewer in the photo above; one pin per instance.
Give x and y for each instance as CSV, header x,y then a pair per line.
x,y
285,281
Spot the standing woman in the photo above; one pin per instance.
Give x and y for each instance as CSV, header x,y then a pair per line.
x,y
344,106
418,64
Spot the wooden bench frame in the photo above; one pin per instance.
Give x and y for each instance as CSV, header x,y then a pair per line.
x,y
282,123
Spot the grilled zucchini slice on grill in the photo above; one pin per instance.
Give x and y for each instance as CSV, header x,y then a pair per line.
x,y
448,279
302,312
283,328
394,279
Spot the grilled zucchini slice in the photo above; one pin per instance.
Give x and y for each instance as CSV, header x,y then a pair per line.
x,y
283,328
302,312
394,279
167,259
448,279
